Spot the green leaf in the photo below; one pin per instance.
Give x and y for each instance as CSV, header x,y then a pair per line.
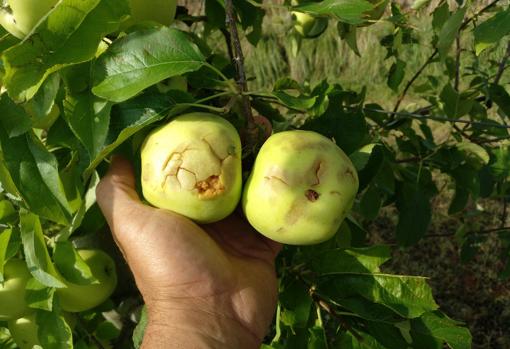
x,y
368,310
139,330
474,152
71,265
36,253
371,202
15,120
501,97
5,237
54,332
347,126
143,59
130,117
41,106
415,213
295,102
317,339
39,296
396,74
348,33
407,296
356,260
360,341
449,31
296,305
88,117
437,327
492,30
69,35
34,171
455,104
501,166
348,11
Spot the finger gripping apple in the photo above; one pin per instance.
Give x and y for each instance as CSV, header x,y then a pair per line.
x,y
192,166
301,188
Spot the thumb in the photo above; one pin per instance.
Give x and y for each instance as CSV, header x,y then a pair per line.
x,y
118,199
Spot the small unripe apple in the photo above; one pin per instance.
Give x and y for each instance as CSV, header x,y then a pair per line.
x,y
12,291
307,25
192,166
24,331
19,17
300,189
76,298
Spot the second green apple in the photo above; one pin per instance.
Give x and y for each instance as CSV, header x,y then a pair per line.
x,y
301,188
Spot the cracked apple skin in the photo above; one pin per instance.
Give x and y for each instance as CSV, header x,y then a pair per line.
x,y
301,188
192,166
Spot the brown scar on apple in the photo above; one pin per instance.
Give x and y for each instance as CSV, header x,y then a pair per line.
x,y
312,195
276,179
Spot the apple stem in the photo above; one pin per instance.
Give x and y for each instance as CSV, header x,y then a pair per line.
x,y
238,59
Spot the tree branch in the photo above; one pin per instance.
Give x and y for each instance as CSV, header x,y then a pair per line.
x,y
434,53
238,59
481,232
502,64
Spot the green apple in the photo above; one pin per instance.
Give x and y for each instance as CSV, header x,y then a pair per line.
x,y
76,298
192,166
12,291
19,17
161,11
24,331
307,25
300,189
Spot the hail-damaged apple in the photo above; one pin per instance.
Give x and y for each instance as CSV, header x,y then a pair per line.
x,y
192,166
301,188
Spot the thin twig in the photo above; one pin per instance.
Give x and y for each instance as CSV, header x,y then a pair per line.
x,y
438,118
434,53
413,79
502,64
457,62
239,64
481,232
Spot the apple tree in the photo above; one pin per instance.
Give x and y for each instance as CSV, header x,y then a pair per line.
x,y
82,80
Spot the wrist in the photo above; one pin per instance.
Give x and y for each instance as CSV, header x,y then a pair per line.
x,y
177,327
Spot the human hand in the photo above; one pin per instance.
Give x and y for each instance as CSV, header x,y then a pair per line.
x,y
210,286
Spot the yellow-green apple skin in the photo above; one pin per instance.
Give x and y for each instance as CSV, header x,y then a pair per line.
x,y
24,331
12,291
300,189
192,166
19,17
307,25
76,298
161,11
